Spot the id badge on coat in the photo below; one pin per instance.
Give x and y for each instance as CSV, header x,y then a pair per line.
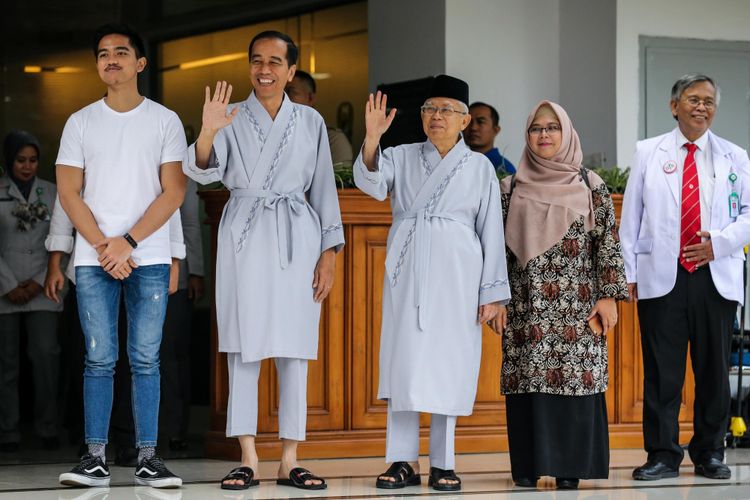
x,y
734,205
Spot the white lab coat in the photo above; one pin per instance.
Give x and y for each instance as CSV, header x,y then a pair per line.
x,y
651,211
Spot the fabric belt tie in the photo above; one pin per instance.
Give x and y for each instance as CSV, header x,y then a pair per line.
x,y
285,204
422,239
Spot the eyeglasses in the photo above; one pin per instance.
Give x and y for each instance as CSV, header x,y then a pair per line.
x,y
446,112
549,129
707,103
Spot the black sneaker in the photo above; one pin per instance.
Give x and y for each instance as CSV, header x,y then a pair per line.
x,y
153,472
90,472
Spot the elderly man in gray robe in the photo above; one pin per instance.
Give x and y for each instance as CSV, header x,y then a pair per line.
x,y
445,276
276,246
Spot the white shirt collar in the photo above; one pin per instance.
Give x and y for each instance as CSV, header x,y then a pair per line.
x,y
701,141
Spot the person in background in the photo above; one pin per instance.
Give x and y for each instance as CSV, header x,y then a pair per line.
x,y
175,342
25,202
302,90
482,132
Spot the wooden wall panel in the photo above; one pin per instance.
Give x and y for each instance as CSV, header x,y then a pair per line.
x,y
368,250
345,417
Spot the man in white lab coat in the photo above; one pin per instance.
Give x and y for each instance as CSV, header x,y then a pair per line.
x,y
685,219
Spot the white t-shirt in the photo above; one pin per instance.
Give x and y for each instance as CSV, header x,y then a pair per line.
x,y
121,154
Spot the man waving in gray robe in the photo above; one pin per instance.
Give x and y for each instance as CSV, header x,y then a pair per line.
x,y
445,277
276,246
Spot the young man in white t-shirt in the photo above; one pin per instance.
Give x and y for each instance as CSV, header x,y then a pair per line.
x,y
119,174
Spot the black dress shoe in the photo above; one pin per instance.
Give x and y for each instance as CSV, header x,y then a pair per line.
x,y
713,469
566,483
651,471
526,482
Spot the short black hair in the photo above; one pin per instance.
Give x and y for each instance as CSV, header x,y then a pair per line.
x,y
493,112
291,49
307,78
119,29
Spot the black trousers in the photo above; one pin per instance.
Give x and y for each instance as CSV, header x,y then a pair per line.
x,y
693,314
174,414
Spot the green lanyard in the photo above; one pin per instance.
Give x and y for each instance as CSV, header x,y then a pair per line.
x,y
734,200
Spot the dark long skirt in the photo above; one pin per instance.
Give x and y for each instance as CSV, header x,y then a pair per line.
x,y
558,436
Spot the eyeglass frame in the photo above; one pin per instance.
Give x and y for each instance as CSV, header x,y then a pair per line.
x,y
707,105
545,129
444,112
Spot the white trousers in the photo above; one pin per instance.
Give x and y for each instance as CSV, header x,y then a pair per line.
x,y
242,409
402,438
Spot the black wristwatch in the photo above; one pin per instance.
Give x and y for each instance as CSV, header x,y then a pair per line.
x,y
130,240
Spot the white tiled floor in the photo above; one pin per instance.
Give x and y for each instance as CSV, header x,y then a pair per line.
x,y
483,475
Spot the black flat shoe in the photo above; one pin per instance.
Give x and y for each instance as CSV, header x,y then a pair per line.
x,y
298,477
403,474
244,474
713,468
437,474
566,483
653,470
526,482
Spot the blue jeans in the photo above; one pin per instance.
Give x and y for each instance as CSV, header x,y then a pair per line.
x,y
98,307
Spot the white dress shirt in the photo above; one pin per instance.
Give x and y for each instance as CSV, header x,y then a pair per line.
x,y
704,163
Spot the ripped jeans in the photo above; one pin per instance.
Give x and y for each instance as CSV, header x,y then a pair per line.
x,y
145,293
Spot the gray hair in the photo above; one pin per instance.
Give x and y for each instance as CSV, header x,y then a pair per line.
x,y
687,81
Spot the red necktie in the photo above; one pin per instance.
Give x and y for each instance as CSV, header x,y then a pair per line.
x,y
691,206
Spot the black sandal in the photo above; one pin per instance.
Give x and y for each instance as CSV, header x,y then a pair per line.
x,y
297,478
244,474
437,474
403,474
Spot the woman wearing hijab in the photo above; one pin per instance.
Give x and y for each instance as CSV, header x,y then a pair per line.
x,y
566,272
25,205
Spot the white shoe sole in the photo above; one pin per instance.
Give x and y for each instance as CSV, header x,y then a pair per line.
x,y
72,479
169,482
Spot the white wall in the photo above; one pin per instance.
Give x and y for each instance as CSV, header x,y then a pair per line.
x,y
406,40
714,20
508,52
587,74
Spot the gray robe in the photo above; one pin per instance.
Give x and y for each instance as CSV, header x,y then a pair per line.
x,y
445,258
283,212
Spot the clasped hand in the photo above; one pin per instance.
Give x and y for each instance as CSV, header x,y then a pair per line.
x,y
115,257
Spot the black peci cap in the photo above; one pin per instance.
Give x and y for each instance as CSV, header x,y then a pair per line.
x,y
450,87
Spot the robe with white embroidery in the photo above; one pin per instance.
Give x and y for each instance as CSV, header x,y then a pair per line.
x,y
282,213
445,258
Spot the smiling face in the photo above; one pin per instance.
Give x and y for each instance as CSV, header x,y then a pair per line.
x,y
26,163
695,110
269,70
116,61
444,129
545,142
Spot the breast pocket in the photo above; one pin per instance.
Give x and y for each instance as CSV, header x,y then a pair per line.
x,y
644,245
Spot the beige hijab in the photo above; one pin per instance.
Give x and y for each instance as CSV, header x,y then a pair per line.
x,y
549,195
